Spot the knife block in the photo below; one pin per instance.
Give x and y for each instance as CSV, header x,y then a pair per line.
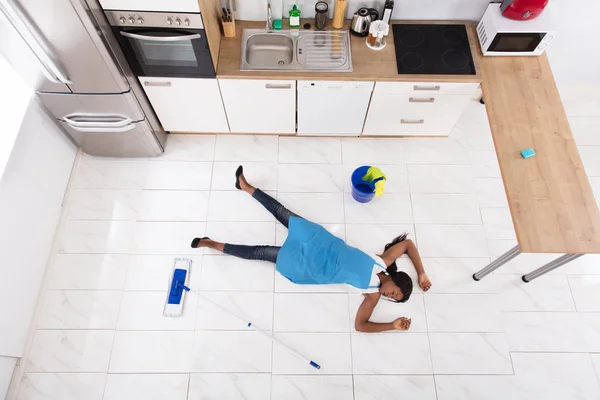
x,y
229,28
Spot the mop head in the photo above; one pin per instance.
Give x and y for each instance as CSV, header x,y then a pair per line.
x,y
177,287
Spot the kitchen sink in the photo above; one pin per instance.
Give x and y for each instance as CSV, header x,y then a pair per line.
x,y
264,50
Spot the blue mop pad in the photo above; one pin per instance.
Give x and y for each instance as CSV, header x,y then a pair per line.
x,y
176,294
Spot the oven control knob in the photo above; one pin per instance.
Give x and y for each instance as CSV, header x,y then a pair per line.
x,y
169,21
131,20
187,22
122,19
140,20
178,22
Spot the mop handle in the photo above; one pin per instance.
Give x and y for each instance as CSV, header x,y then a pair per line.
x,y
250,325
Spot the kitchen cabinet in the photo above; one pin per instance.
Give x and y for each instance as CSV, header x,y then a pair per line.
x,y
187,104
416,109
336,108
260,106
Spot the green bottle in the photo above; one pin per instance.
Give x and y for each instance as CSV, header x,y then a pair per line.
x,y
294,17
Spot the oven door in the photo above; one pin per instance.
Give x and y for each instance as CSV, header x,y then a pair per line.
x,y
509,42
166,52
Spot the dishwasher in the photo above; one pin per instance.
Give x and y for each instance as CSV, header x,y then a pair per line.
x,y
332,108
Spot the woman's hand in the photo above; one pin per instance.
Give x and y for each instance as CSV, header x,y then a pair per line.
x,y
424,282
401,324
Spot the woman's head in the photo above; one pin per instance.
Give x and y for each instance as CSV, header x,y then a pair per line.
x,y
400,286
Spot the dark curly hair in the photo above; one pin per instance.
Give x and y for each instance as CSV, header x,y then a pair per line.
x,y
400,278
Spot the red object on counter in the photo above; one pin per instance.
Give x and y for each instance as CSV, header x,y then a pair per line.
x,y
522,9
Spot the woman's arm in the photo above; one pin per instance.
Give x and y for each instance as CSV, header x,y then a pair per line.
x,y
362,323
407,246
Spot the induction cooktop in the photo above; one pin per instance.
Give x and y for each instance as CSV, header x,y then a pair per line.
x,y
433,49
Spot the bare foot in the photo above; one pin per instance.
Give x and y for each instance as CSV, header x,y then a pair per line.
x,y
244,185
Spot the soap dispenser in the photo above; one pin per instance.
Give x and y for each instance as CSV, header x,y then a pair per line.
x,y
294,17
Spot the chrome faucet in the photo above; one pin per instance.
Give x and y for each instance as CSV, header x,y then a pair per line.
x,y
269,16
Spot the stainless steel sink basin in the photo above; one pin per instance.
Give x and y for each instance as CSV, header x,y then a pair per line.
x,y
264,50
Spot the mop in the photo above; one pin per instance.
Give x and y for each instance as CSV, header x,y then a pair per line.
x,y
178,288
176,296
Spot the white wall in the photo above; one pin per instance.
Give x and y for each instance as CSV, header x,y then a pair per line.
x,y
575,56
255,10
31,193
14,99
7,366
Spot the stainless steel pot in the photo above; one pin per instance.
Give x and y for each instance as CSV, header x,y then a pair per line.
x,y
361,20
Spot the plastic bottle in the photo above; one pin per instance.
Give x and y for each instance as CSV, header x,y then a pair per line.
x,y
294,17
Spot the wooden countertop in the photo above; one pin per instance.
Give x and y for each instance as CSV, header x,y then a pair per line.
x,y
550,198
368,65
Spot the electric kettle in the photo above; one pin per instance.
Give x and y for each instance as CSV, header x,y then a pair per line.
x,y
361,20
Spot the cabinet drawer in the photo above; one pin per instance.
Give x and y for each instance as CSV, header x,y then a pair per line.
x,y
428,126
425,88
421,106
401,114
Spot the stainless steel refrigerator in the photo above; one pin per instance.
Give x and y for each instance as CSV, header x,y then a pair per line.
x,y
66,51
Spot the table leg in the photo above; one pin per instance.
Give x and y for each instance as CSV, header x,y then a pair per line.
x,y
500,261
559,262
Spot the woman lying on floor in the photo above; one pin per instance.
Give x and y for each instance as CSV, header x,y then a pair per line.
x,y
312,255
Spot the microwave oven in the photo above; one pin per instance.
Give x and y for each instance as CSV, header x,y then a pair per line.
x,y
501,36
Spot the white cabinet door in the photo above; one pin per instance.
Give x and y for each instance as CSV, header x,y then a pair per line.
x,y
260,106
187,104
332,107
395,113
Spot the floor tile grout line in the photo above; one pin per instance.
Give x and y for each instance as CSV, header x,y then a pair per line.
x,y
189,383
594,367
571,292
348,299
274,271
429,341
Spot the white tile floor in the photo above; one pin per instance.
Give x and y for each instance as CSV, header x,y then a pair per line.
x,y
101,335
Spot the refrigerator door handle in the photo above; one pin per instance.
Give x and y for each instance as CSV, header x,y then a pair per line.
x,y
100,129
161,38
52,71
98,121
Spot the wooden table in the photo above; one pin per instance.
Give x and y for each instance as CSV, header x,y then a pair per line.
x,y
550,198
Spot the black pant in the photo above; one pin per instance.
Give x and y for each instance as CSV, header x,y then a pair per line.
x,y
263,253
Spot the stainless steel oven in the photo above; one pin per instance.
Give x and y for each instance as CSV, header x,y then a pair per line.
x,y
163,44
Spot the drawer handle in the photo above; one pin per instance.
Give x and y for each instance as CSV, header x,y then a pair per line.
x,y
412,121
417,87
421,100
162,84
277,86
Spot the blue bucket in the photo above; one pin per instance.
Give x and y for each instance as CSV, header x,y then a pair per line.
x,y
361,190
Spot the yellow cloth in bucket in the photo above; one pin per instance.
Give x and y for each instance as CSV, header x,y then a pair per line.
x,y
375,174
